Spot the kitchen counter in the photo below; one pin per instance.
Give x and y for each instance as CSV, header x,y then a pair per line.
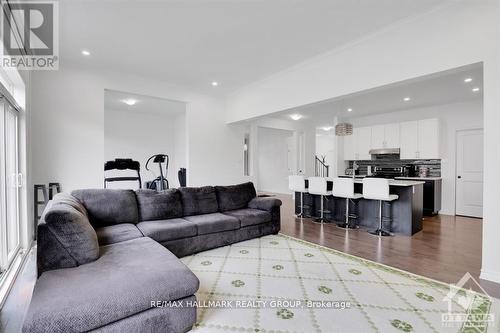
x,y
349,176
394,182
406,211
419,178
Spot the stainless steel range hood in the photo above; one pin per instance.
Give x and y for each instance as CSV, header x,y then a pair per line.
x,y
384,151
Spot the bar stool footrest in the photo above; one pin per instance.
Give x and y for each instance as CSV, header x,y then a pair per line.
x,y
347,226
380,232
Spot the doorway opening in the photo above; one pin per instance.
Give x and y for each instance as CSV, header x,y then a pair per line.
x,y
137,127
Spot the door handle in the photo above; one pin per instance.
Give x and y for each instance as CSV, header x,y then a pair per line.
x,y
459,177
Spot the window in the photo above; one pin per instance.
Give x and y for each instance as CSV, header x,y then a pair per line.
x,y
10,182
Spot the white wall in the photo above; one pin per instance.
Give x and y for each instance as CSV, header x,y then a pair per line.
x,y
460,33
452,117
68,129
139,135
273,160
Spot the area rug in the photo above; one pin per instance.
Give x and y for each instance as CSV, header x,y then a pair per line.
x,y
282,284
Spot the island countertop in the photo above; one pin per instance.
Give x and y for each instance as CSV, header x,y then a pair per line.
x,y
396,182
419,178
406,211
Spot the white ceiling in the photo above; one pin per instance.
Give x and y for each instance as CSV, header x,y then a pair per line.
x,y
113,100
436,89
193,43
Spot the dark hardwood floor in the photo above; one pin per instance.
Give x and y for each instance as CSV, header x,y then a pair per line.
x,y
446,248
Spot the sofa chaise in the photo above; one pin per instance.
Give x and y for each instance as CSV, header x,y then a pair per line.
x,y
105,256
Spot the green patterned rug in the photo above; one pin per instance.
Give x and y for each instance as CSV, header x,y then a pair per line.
x,y
282,284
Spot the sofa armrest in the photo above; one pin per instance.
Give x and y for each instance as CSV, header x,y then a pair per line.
x,y
264,203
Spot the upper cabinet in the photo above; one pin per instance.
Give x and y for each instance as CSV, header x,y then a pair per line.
x,y
408,140
364,142
392,135
357,146
420,139
428,139
350,149
385,136
416,140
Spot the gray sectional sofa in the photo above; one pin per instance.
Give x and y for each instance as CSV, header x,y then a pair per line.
x,y
103,256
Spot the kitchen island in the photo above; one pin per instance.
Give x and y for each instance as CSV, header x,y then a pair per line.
x,y
406,212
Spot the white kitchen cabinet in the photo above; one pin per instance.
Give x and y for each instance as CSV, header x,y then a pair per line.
x,y
350,147
428,139
357,146
419,139
408,139
378,136
385,136
363,142
391,134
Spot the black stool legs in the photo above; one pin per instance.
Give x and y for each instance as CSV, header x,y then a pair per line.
x,y
321,218
350,217
380,230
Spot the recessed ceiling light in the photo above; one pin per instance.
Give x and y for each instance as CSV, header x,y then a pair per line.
x,y
406,99
129,101
85,52
296,116
326,128
215,83
349,110
476,89
467,80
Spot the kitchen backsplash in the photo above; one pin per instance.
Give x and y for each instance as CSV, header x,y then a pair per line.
x,y
433,165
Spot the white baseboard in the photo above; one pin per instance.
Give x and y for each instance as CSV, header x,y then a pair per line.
x,y
490,276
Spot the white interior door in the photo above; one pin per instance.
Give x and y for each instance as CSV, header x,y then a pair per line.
x,y
292,154
301,153
469,180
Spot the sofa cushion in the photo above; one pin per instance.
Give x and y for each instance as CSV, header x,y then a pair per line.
x,y
122,282
67,199
107,207
68,228
264,203
234,196
164,230
215,222
159,205
250,216
117,233
199,200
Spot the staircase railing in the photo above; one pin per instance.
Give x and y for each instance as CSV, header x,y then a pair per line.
x,y
321,169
